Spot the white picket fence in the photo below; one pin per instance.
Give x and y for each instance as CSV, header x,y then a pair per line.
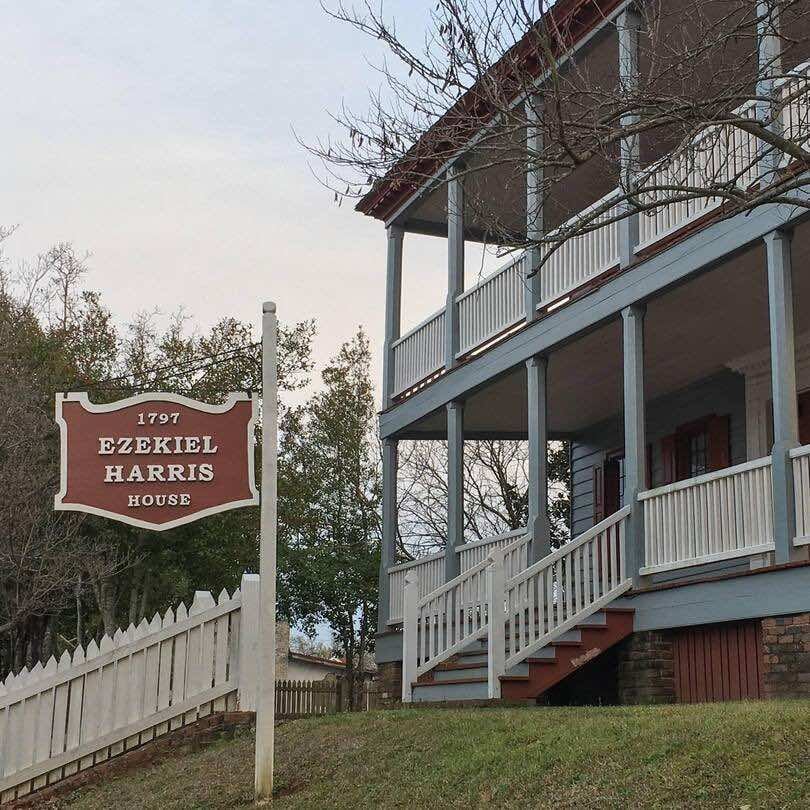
x,y
147,680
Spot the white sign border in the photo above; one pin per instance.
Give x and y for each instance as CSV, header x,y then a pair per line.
x,y
154,396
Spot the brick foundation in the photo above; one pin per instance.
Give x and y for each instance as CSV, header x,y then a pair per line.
x,y
389,683
786,656
646,668
182,740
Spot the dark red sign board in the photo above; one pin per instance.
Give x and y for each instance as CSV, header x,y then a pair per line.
x,y
156,460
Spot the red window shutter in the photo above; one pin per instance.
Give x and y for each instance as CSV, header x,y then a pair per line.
x,y
719,441
668,459
598,494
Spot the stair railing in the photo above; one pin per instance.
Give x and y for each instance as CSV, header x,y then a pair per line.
x,y
555,594
445,621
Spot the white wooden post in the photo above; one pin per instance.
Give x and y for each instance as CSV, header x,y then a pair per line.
x,y
249,643
410,635
265,699
496,642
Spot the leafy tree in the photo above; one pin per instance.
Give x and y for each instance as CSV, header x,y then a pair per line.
x,y
329,506
65,577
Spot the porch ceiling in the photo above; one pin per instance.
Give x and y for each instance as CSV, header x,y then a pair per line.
x,y
692,331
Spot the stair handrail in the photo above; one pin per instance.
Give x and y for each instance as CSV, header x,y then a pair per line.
x,y
569,598
444,621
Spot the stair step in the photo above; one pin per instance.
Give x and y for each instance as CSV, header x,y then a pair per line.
x,y
470,689
450,682
447,666
465,673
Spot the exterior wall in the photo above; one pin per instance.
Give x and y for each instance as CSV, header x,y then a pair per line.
x,y
786,656
389,682
723,393
768,658
309,671
646,668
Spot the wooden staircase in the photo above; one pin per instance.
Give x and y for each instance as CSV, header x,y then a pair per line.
x,y
488,636
569,654
464,676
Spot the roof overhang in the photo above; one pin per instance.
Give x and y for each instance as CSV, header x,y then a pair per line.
x,y
573,20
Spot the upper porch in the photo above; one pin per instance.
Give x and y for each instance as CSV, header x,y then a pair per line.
x,y
542,298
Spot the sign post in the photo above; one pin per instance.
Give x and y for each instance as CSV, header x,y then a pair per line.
x,y
265,700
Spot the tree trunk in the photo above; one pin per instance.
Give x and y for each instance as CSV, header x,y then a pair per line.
x,y
105,593
79,616
133,596
145,592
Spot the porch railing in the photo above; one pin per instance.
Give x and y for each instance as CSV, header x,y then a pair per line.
x,y
581,258
448,618
515,543
801,487
419,354
496,304
492,305
429,570
717,516
560,591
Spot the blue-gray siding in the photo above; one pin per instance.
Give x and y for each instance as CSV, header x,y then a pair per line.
x,y
722,394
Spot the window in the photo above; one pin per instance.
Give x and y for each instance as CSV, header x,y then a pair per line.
x,y
697,460
696,448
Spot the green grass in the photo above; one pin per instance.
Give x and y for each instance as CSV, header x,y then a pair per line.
x,y
713,756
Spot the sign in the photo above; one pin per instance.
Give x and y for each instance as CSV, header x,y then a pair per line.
x,y
156,460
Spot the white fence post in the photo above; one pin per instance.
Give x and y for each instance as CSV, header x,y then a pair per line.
x,y
410,635
496,643
249,643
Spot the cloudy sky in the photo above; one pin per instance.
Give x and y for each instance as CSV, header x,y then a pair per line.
x,y
159,136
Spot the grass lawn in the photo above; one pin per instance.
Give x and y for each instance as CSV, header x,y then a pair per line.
x,y
739,755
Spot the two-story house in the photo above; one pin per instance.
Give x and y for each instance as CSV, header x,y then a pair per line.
x,y
671,349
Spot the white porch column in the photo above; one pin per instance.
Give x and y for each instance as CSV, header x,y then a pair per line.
x,y
538,526
628,25
783,382
390,463
635,443
455,261
534,206
455,488
393,308
769,69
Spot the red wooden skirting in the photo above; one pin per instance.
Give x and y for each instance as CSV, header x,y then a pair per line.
x,y
718,662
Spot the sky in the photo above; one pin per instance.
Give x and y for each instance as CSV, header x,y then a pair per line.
x,y
161,137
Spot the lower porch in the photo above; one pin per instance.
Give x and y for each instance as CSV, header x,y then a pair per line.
x,y
688,421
